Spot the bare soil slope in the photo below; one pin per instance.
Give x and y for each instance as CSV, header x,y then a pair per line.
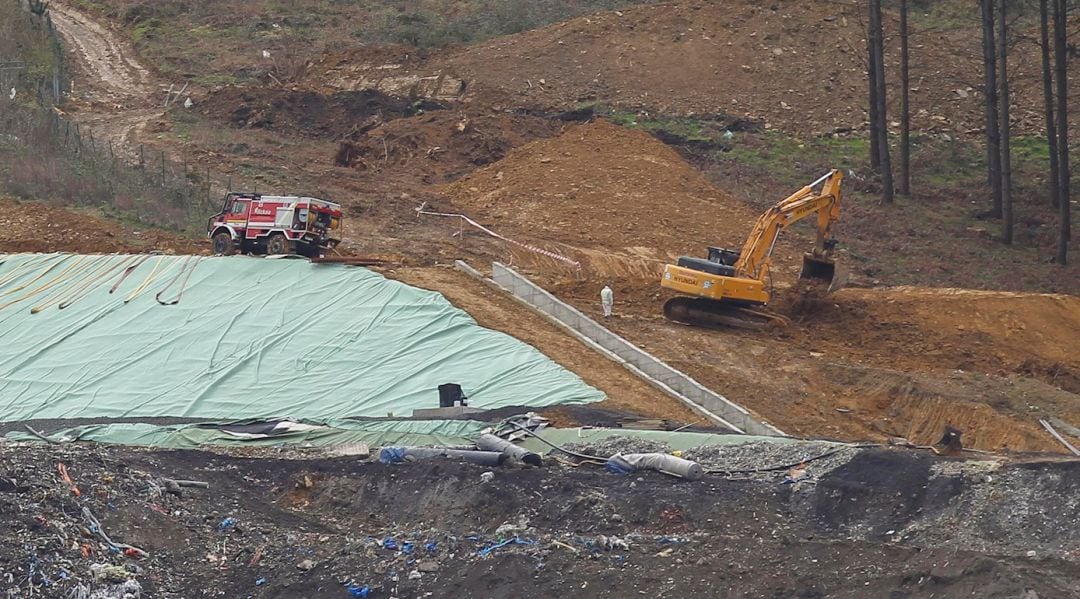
x,y
794,66
598,186
38,227
876,363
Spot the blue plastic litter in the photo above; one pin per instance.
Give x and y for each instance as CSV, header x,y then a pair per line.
x,y
511,541
227,523
392,455
431,546
356,591
260,581
390,543
407,548
617,466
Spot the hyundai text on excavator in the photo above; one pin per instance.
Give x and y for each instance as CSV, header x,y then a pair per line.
x,y
729,287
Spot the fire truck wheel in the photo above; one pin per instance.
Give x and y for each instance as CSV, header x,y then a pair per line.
x,y
277,244
223,243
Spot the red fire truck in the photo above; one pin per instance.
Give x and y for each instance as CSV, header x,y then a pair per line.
x,y
250,222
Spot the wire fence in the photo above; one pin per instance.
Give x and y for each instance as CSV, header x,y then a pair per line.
x,y
46,156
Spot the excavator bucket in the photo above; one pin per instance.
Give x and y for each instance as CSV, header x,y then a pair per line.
x,y
823,271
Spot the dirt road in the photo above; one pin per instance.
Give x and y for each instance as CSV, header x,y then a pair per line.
x,y
112,69
115,94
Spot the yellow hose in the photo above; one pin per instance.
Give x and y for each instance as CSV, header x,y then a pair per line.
x,y
60,277
18,270
35,279
150,279
89,287
94,274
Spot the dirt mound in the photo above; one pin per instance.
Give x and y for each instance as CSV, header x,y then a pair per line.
x,y
795,66
37,227
984,331
308,113
601,186
441,146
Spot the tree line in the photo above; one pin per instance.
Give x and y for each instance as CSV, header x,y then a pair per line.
x,y
997,17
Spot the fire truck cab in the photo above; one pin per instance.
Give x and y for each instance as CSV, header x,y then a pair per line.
x,y
250,222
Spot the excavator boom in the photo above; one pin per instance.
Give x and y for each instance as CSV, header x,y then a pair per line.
x,y
727,284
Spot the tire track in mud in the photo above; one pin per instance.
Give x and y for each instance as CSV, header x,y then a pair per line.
x,y
110,62
119,91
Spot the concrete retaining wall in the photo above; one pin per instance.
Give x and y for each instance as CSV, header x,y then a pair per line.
x,y
638,360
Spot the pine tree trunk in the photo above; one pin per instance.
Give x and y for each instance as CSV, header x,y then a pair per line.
x,y
871,80
993,151
905,111
1003,101
1048,97
1065,229
878,52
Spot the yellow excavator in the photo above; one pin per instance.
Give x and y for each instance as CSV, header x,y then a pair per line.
x,y
728,288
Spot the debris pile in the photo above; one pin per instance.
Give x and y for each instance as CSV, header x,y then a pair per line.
x,y
114,527
441,146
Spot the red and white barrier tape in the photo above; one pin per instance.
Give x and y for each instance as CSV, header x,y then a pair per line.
x,y
531,248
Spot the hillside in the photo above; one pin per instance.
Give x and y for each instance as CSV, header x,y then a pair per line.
x,y
798,67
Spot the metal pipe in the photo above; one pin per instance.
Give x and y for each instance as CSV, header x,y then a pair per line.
x,y
489,442
393,455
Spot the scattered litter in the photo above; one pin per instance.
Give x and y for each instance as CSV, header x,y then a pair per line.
x,y
227,524
109,573
94,526
360,592
606,543
261,581
511,541
62,469
487,477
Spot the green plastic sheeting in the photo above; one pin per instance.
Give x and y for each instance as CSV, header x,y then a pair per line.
x,y
373,433
674,439
248,338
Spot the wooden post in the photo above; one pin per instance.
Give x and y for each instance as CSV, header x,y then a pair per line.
x,y
163,168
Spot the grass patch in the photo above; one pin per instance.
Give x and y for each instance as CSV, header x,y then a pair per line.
x,y
145,30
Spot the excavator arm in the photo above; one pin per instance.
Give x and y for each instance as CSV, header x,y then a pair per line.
x,y
756,255
725,287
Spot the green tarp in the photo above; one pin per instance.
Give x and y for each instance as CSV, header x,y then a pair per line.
x,y
673,439
248,338
373,433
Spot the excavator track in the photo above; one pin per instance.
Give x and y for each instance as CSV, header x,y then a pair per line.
x,y
701,312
